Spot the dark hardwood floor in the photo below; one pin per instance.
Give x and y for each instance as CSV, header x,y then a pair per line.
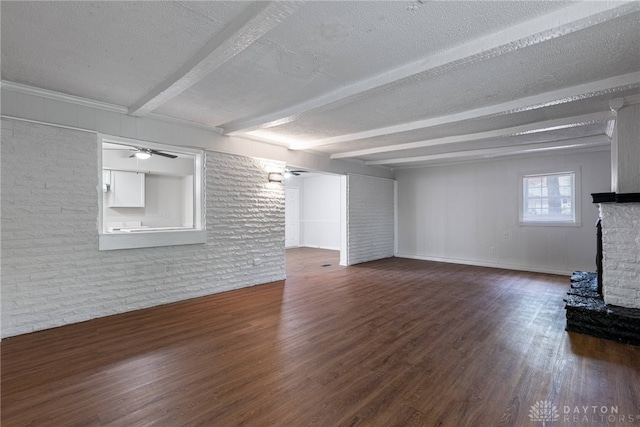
x,y
395,342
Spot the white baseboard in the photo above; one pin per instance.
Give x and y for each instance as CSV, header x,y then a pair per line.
x,y
330,248
534,269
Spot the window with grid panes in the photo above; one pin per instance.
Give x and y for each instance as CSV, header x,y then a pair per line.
x,y
549,198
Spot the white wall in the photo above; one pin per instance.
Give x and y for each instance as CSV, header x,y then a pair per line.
x,y
163,204
320,202
52,272
370,218
187,201
295,229
321,212
458,213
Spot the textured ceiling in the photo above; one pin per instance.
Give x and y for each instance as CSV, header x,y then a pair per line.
x,y
390,83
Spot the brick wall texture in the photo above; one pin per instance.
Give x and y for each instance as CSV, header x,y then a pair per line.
x,y
52,272
370,217
621,250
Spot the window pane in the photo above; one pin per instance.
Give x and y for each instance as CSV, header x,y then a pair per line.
x,y
565,180
565,191
534,181
548,198
534,192
535,203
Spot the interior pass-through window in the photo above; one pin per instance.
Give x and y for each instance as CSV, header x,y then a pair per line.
x,y
149,190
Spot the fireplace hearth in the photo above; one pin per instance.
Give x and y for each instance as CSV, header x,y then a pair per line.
x,y
588,314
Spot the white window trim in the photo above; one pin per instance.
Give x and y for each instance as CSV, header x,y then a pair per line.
x,y
577,197
155,238
151,239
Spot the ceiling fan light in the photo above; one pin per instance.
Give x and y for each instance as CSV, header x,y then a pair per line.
x,y
142,155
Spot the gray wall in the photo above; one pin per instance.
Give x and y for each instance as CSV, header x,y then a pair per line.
x,y
459,213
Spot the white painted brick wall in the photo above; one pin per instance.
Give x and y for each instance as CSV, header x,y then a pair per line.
x,y
370,217
52,272
621,250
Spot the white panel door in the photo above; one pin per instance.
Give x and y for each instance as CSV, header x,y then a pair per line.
x,y
292,217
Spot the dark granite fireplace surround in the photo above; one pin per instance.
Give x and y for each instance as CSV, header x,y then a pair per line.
x,y
587,312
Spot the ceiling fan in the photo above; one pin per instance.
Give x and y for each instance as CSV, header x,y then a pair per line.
x,y
145,153
294,172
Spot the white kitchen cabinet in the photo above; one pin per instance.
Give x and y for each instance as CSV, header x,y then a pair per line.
x,y
126,189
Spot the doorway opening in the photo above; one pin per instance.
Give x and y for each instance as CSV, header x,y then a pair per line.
x,y
315,213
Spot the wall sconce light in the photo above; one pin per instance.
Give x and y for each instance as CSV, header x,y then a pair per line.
x,y
276,177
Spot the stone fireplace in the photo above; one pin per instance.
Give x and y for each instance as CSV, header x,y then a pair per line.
x,y
606,304
621,249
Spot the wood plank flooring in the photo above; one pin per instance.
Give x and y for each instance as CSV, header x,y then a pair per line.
x,y
395,342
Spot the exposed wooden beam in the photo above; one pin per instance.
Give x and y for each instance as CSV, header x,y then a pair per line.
x,y
249,26
521,104
500,151
547,125
553,25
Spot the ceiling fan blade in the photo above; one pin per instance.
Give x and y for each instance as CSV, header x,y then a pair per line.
x,y
160,153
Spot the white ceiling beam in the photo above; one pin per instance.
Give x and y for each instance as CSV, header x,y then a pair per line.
x,y
545,126
588,141
85,102
57,96
521,104
255,21
553,25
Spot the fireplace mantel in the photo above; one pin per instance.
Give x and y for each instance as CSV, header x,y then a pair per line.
x,y
616,197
